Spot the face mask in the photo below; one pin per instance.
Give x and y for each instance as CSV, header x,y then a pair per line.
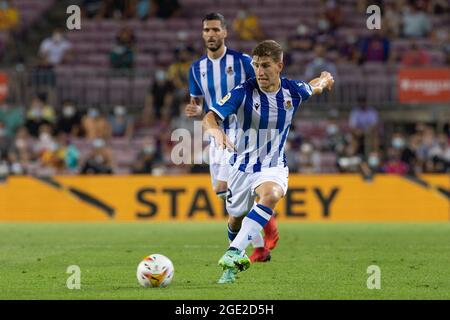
x,y
36,113
160,75
373,161
93,113
302,30
306,148
242,14
318,61
149,149
68,111
20,143
98,143
323,24
398,143
351,39
332,129
119,111
44,137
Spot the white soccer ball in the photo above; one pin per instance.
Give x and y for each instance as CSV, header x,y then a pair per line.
x,y
155,271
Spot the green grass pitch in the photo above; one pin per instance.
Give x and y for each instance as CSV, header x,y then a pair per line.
x,y
312,261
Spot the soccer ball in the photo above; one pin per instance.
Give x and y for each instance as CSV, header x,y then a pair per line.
x,y
155,271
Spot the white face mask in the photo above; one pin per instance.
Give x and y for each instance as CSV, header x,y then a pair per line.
x,y
373,161
398,143
98,143
57,37
119,111
68,111
332,129
149,149
93,113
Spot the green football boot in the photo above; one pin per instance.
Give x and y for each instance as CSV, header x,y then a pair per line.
x,y
228,276
234,260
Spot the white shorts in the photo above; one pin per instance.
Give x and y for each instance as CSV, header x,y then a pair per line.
x,y
241,187
218,163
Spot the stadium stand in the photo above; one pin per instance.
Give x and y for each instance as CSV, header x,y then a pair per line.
x,y
97,78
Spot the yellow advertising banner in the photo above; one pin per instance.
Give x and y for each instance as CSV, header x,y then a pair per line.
x,y
182,198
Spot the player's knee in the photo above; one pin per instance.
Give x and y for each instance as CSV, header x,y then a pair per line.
x,y
270,197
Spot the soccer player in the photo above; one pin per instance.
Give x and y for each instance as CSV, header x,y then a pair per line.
x,y
265,107
210,78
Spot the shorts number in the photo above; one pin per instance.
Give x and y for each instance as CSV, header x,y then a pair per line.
x,y
229,195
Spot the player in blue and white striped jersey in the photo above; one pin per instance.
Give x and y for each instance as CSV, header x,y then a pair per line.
x,y
210,78
265,107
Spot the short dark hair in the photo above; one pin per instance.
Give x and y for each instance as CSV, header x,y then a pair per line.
x,y
269,48
215,16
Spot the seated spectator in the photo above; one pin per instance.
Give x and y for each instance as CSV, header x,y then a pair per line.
x,y
5,141
333,14
69,121
159,96
66,155
349,49
247,26
9,15
99,160
319,64
177,74
145,9
95,125
376,48
166,9
394,164
55,50
303,40
416,22
146,158
122,54
117,9
16,166
39,114
91,8
415,56
122,125
12,117
23,145
391,20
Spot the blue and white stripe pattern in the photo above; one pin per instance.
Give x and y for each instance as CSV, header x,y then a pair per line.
x,y
231,234
261,214
214,78
263,122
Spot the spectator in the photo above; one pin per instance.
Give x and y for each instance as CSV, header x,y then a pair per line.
x,y
122,125
145,9
146,158
319,64
91,8
9,15
23,145
55,50
122,54
38,114
247,26
16,167
349,49
363,123
95,125
303,40
11,117
166,8
376,48
5,141
159,96
415,56
99,160
177,74
333,14
391,20
416,22
394,164
117,9
65,155
69,120
309,159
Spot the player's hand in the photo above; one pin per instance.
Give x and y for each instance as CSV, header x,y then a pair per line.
x,y
193,110
221,139
328,79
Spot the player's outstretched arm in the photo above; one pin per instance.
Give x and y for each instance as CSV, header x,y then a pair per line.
x,y
211,127
194,108
324,81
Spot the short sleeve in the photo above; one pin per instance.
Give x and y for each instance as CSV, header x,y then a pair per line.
x,y
247,63
303,88
194,88
230,103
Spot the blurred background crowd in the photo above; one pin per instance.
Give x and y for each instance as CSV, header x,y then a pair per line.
x,y
105,99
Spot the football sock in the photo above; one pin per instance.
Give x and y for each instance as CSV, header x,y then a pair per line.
x,y
257,241
252,225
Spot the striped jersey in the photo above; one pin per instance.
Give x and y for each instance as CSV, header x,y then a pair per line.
x,y
214,78
263,121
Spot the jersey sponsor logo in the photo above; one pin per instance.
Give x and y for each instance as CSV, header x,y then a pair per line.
x,y
225,99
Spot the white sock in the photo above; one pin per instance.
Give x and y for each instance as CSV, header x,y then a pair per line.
x,y
257,241
251,227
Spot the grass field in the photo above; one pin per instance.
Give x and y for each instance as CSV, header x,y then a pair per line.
x,y
312,261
